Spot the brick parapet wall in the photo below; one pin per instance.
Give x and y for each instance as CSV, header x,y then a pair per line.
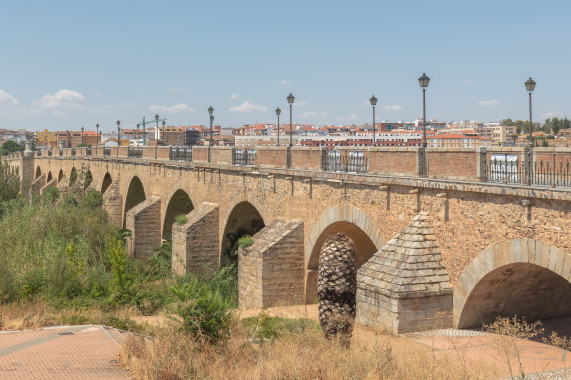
x,y
221,155
452,163
272,157
271,271
306,158
144,222
200,154
195,244
396,161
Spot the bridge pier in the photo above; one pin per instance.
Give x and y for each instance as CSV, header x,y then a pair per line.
x,y
51,183
113,202
144,222
270,271
196,244
38,184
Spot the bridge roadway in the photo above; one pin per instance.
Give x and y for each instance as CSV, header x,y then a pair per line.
x,y
506,249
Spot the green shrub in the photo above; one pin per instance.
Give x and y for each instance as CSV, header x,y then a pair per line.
x,y
121,283
92,199
50,195
204,313
151,300
32,283
180,219
245,241
265,326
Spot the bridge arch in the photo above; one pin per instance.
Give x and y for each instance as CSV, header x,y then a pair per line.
x,y
60,176
38,172
343,218
50,177
179,203
135,195
107,181
243,215
523,277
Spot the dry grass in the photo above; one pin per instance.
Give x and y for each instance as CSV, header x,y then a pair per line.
x,y
174,355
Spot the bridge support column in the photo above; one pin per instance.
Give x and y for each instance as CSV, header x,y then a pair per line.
x,y
405,287
195,244
270,271
113,203
144,222
38,184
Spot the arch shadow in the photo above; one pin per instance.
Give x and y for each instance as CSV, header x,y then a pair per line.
x,y
60,176
241,219
135,195
38,172
179,203
107,181
523,277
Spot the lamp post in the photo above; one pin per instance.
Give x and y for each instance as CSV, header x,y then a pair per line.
x,y
97,137
118,136
157,130
82,136
530,86
373,101
45,142
290,99
423,81
278,112
138,135
210,111
164,136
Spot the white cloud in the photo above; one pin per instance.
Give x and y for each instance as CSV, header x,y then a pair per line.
x,y
488,103
128,104
97,93
6,98
283,81
246,106
177,108
394,107
234,96
177,89
312,114
61,99
551,114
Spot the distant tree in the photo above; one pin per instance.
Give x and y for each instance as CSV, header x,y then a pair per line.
x,y
544,143
12,146
508,122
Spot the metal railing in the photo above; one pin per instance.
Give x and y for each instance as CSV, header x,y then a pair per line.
x,y
510,169
39,153
49,153
61,152
180,154
107,151
73,151
344,161
135,152
244,157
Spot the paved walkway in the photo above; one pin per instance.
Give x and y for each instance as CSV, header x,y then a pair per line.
x,y
62,352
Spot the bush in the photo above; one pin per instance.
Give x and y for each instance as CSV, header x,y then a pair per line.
x,y
180,219
92,199
245,241
121,283
50,195
204,313
32,283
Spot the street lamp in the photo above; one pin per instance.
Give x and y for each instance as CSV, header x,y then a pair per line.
x,y
423,81
118,136
278,112
373,101
157,130
98,138
81,135
290,99
210,111
530,86
138,135
164,136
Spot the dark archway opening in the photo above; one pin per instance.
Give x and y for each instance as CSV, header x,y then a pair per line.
x,y
60,176
107,181
135,195
179,203
364,247
87,180
72,177
50,176
522,289
243,220
38,172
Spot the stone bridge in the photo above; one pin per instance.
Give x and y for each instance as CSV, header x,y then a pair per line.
x,y
482,249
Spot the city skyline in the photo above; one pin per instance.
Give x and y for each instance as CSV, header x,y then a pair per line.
x,y
70,65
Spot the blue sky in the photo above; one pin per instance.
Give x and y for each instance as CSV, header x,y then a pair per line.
x,y
67,64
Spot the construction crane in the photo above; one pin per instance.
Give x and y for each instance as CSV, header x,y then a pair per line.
x,y
143,123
